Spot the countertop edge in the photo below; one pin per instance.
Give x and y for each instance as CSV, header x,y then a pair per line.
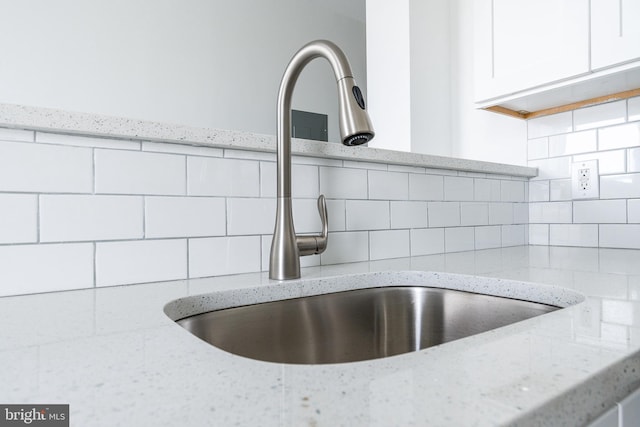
x,y
60,121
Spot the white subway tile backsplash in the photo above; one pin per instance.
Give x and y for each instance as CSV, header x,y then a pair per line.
x,y
550,125
633,107
512,191
426,187
539,191
337,215
191,150
222,177
458,188
316,161
388,185
487,190
560,189
249,155
554,168
86,141
19,218
620,186
600,211
304,180
16,135
538,148
184,216
427,241
514,235
405,168
551,212
633,160
367,214
474,213
619,136
633,210
136,172
44,168
520,213
250,216
337,183
305,216
572,143
609,162
573,235
26,269
408,214
600,115
443,214
620,236
364,165
66,218
500,213
224,255
538,234
488,237
457,239
347,247
141,261
389,244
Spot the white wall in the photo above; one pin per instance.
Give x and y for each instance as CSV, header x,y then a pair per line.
x,y
195,62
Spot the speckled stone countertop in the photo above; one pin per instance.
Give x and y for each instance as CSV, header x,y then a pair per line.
x,y
117,358
50,120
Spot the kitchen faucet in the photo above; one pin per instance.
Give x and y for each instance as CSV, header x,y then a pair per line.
x,y
355,129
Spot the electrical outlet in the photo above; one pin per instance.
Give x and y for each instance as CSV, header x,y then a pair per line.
x,y
585,181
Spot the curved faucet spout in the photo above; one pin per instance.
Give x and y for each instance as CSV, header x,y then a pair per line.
x,y
355,129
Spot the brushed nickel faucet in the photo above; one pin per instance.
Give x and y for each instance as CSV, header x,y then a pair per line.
x,y
355,129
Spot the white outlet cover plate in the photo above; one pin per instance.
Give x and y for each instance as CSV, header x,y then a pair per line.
x,y
585,180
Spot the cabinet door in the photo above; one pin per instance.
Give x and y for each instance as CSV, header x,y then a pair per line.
x,y
615,32
521,44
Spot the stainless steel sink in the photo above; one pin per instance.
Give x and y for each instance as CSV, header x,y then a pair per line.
x,y
356,325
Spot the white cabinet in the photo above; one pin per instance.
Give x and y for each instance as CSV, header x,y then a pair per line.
x,y
521,44
615,33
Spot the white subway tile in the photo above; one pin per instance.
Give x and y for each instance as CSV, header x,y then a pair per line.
x,y
551,212
405,168
443,214
120,263
520,213
388,185
337,215
585,235
26,269
458,188
216,256
249,155
539,191
86,141
620,186
633,159
572,143
389,244
560,189
457,239
184,216
474,213
500,213
306,217
250,216
19,218
342,183
316,161
304,180
599,211
426,187
65,218
44,168
600,115
364,165
305,261
539,234
554,168
609,162
619,136
408,214
512,191
16,135
633,106
549,125
367,214
488,237
427,241
620,236
222,177
191,150
441,172
514,235
487,190
538,148
633,210
472,174
346,247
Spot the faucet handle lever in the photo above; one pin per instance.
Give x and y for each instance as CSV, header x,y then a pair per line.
x,y
316,243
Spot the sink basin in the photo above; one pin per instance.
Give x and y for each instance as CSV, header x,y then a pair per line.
x,y
356,325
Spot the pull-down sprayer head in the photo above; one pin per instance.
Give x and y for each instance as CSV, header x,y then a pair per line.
x,y
355,125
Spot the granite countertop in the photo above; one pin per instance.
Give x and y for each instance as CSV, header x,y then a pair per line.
x,y
118,359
